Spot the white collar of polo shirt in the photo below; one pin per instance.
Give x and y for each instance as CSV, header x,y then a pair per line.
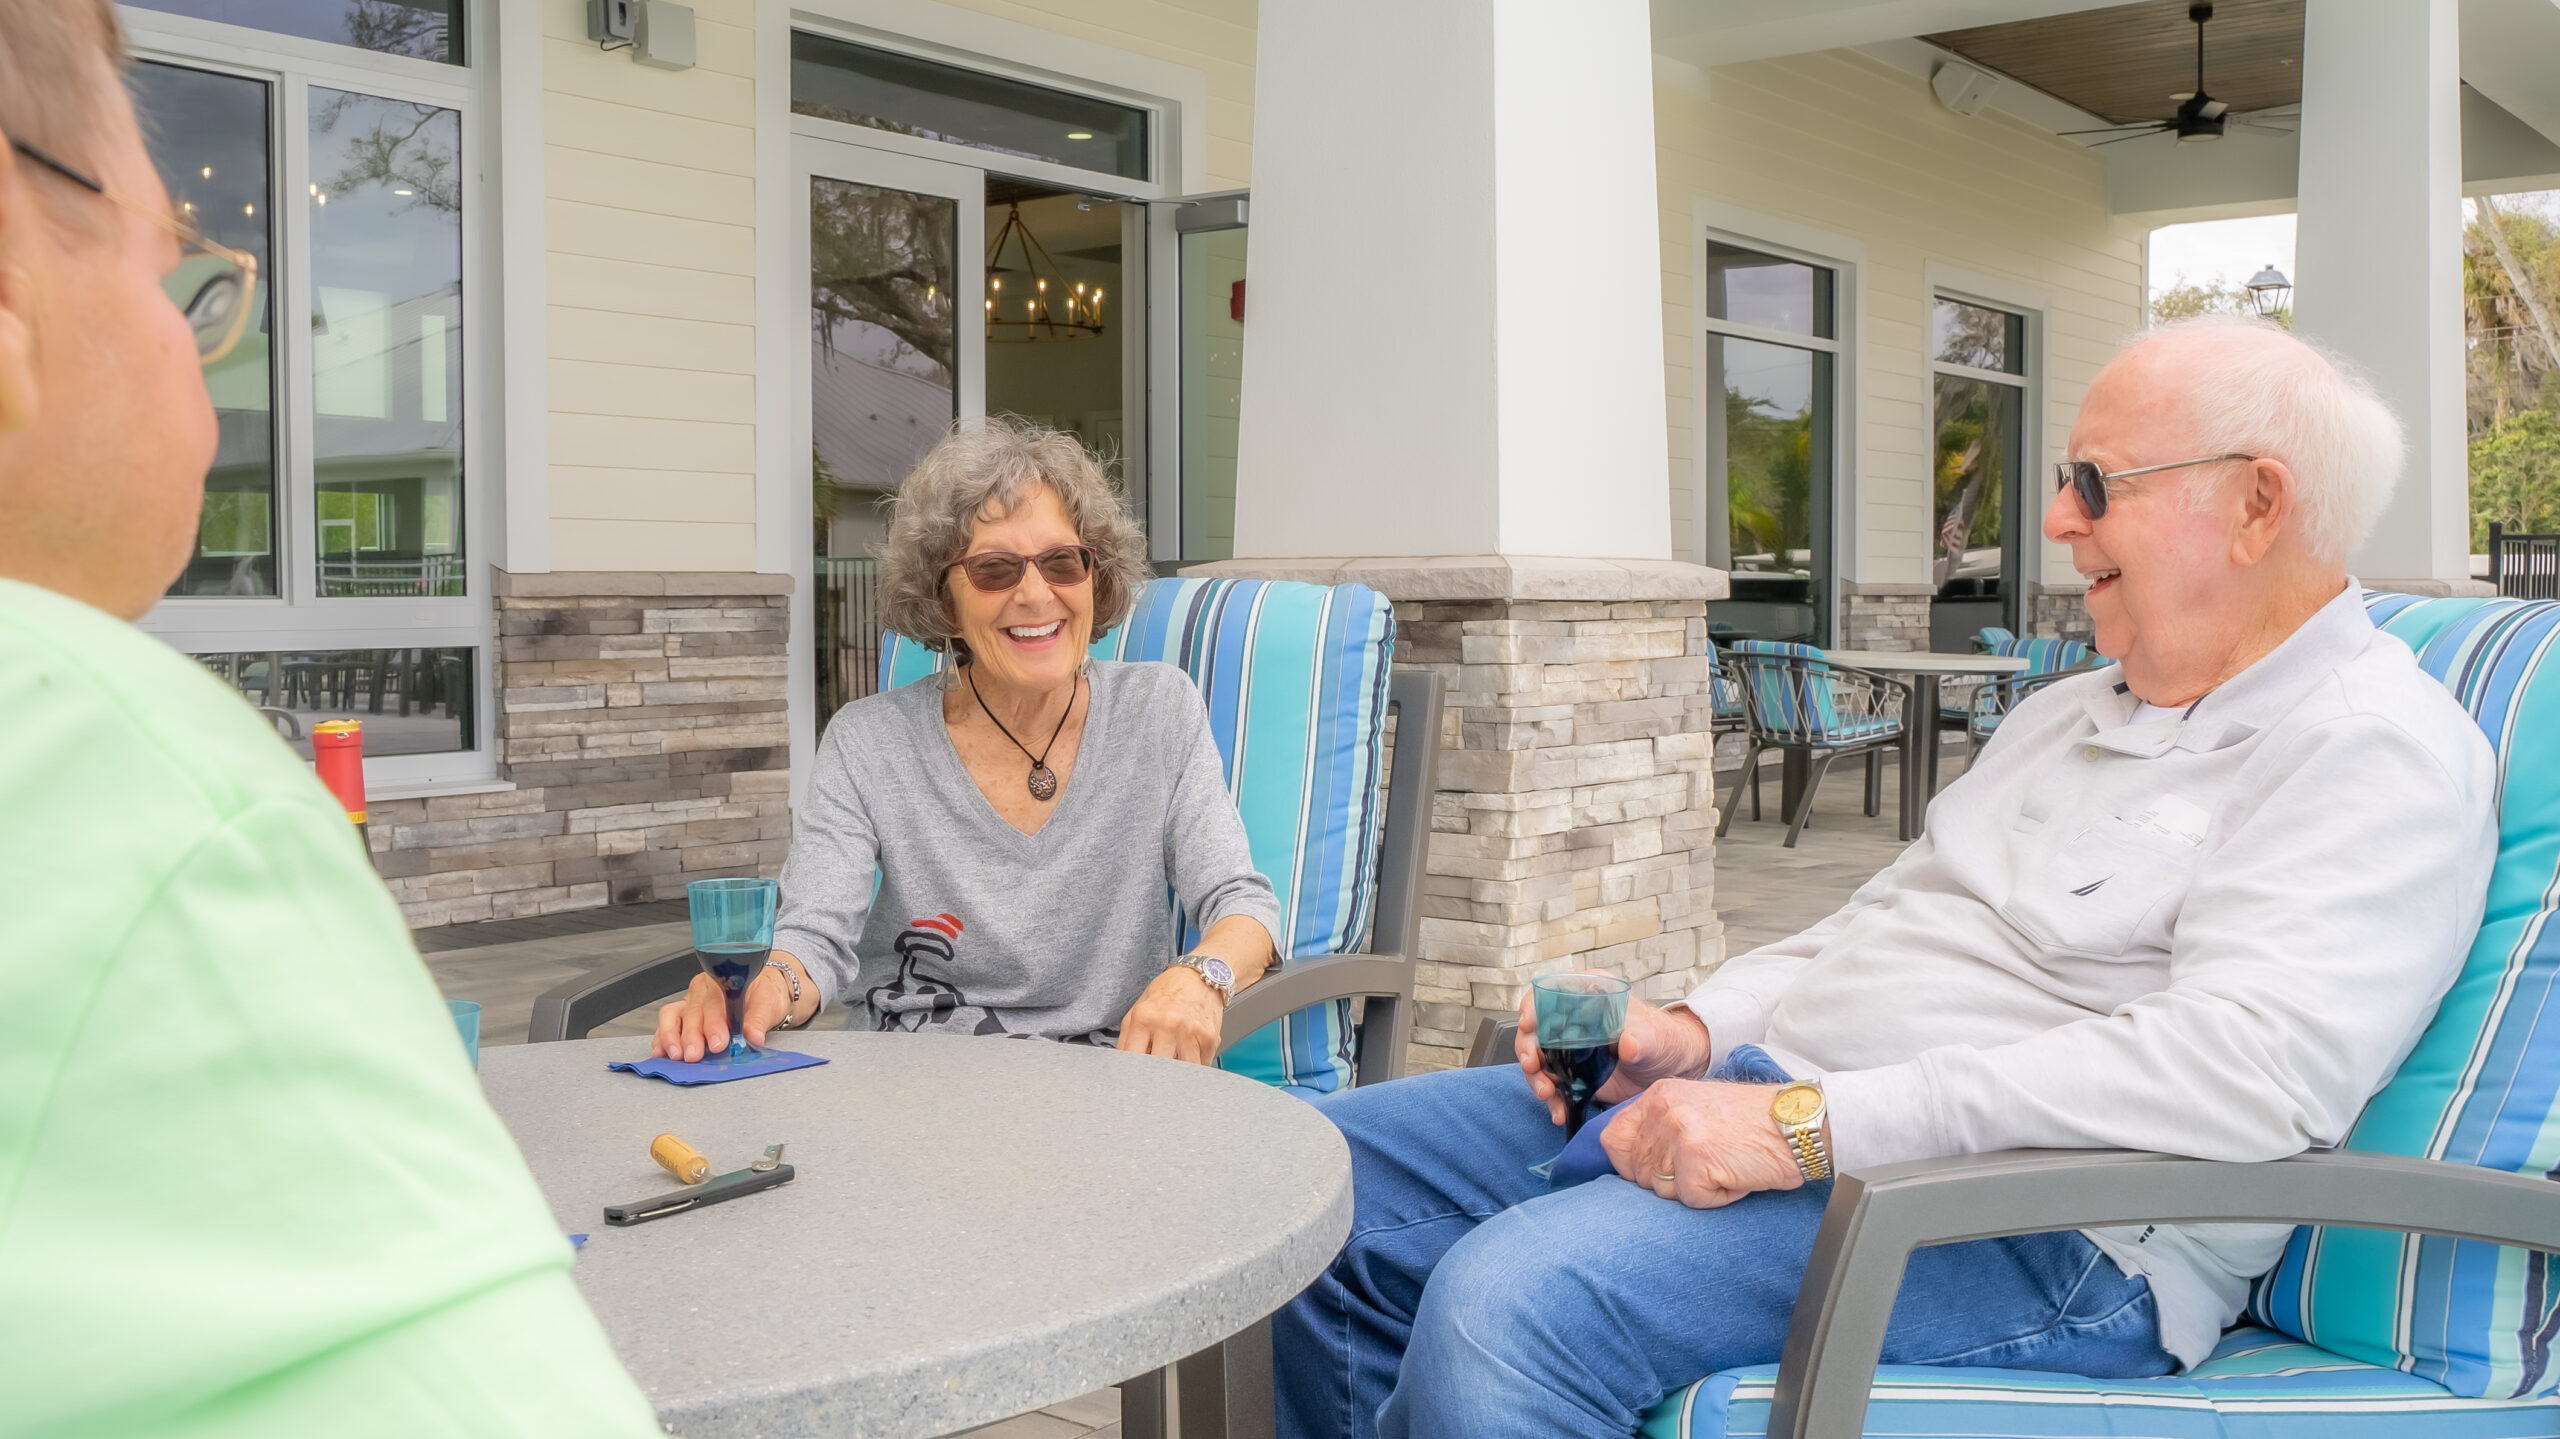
x,y
2247,702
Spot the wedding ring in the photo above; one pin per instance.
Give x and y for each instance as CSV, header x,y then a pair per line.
x,y
1666,1179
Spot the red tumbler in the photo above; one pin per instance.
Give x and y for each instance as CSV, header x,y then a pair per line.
x,y
337,754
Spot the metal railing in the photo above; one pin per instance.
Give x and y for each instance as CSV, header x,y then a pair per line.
x,y
2524,567
848,625
426,575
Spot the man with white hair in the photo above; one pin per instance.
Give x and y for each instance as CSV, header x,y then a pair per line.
x,y
2202,901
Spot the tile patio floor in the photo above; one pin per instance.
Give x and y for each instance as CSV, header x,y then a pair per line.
x,y
1763,892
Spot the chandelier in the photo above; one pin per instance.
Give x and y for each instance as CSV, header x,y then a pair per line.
x,y
1042,307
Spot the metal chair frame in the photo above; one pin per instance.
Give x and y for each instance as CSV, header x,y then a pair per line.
x,y
1810,683
2000,694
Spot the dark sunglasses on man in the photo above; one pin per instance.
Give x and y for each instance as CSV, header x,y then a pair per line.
x,y
994,572
2091,482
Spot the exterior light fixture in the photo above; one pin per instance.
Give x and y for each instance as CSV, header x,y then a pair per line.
x,y
1079,134
2269,290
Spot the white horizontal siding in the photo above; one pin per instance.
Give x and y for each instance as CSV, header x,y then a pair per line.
x,y
649,225
1851,146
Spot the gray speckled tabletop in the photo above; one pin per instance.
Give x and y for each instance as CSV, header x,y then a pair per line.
x,y
978,1226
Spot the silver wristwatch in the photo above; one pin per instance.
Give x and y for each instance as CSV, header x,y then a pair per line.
x,y
1213,971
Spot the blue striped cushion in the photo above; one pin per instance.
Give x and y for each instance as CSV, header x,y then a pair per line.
x,y
1295,677
1989,638
2043,656
1725,699
2483,1085
2257,1385
1776,692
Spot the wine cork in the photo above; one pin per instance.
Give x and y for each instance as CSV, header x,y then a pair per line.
x,y
679,1159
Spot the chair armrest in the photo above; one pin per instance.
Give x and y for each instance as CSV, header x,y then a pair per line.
x,y
1877,1218
1302,982
571,1008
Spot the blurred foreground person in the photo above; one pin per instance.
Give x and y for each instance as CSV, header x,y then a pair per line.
x,y
248,1184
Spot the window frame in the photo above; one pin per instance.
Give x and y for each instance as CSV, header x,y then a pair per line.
x,y
2029,304
297,617
1846,259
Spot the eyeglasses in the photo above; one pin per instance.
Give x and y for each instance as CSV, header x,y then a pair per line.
x,y
995,572
214,295
2091,482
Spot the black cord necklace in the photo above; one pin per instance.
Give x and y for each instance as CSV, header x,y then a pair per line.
x,y
1043,781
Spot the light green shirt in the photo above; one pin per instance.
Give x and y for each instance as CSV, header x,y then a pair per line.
x,y
248,1183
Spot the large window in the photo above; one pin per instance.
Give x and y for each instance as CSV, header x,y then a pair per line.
x,y
1980,511
1773,352
332,571
906,95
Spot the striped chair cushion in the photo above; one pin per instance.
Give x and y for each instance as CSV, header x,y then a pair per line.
x,y
1295,677
2483,1085
1989,638
2257,1385
2043,656
1726,699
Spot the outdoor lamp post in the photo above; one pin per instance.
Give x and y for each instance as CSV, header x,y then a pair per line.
x,y
2268,291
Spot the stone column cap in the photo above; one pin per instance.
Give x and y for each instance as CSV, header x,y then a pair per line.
x,y
592,584
1486,577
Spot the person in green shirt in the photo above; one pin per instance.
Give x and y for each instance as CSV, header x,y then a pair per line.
x,y
248,1184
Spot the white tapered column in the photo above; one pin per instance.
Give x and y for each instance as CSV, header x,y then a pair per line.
x,y
2379,253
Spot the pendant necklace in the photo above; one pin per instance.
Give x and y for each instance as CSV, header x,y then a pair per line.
x,y
1042,781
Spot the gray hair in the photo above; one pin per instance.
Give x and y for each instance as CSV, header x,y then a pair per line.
x,y
2309,409
993,469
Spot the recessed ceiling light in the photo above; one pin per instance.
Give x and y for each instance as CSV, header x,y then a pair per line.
x,y
1079,134
404,192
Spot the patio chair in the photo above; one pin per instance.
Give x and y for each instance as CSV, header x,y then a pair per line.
x,y
1995,697
2416,1302
2044,656
1796,699
1299,700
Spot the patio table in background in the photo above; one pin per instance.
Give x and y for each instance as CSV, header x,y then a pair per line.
x,y
978,1227
1920,713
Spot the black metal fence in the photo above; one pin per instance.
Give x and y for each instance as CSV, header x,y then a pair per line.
x,y
2524,567
848,605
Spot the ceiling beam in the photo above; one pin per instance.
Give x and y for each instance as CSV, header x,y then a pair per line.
x,y
1707,33
2511,54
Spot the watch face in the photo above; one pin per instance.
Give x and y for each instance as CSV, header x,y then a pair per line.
x,y
1217,972
1796,1104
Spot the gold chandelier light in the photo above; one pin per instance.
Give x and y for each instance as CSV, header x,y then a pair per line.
x,y
1041,307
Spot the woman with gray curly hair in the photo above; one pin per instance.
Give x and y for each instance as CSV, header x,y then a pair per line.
x,y
991,855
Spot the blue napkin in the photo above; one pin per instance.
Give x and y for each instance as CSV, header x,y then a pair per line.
x,y
1582,1159
717,1071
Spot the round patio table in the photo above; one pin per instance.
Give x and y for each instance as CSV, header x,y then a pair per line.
x,y
977,1227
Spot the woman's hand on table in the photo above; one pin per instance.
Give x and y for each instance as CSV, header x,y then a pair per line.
x,y
1179,1016
1656,1044
698,1024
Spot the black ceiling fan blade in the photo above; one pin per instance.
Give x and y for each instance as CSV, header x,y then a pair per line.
x,y
2143,128
2120,139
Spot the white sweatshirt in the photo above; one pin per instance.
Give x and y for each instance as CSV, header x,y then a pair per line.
x,y
2215,934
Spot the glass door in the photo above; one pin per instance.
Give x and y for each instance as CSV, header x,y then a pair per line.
x,y
894,250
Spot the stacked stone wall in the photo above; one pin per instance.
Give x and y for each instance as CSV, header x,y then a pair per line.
x,y
643,721
1574,826
2062,612
1884,616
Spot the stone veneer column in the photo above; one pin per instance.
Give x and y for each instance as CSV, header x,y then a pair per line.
x,y
642,719
1881,615
2060,611
1574,827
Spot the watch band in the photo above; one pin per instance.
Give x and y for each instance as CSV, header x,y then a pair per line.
x,y
1805,1137
1198,964
791,977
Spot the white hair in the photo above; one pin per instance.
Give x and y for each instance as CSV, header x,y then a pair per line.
x,y
2311,410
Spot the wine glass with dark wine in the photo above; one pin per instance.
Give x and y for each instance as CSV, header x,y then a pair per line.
x,y
1579,1017
732,936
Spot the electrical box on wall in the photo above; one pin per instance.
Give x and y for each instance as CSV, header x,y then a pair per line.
x,y
665,37
656,32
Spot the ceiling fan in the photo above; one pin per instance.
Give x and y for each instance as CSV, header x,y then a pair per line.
x,y
2200,117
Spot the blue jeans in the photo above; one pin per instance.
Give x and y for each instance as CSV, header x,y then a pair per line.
x,y
1471,1301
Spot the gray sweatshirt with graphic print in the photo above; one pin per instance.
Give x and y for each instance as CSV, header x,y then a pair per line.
x,y
917,907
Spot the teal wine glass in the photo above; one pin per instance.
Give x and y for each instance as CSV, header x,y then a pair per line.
x,y
1580,1017
732,936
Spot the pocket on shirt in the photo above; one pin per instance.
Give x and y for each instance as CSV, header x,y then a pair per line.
x,y
2091,893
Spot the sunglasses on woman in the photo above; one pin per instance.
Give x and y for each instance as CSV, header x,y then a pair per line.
x,y
994,572
2091,482
213,285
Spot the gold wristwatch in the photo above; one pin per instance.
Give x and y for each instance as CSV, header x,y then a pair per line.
x,y
1799,1110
